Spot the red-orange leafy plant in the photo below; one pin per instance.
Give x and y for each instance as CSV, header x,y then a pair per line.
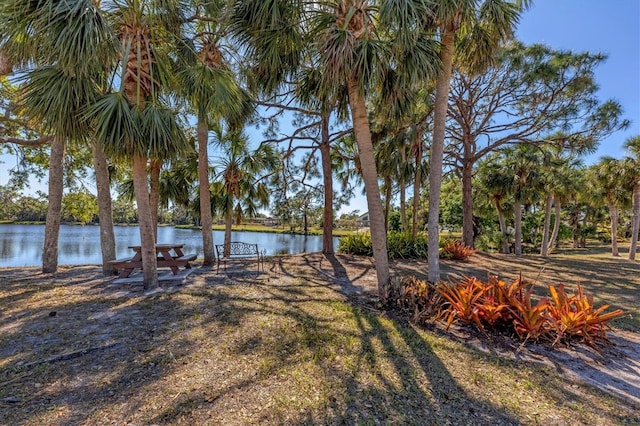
x,y
575,315
455,250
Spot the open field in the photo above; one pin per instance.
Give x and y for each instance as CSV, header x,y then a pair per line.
x,y
302,343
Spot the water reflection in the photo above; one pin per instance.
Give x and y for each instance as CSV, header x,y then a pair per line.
x,y
21,245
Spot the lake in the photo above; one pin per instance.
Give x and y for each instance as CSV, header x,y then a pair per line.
x,y
21,245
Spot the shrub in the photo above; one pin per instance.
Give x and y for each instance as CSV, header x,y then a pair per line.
x,y
494,305
399,245
571,316
413,296
455,250
358,243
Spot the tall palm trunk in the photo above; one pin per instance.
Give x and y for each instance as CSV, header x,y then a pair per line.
x,y
437,152
388,187
103,188
403,206
155,165
227,229
467,204
556,224
517,209
146,222
503,227
206,218
635,224
52,227
613,215
370,178
544,248
417,182
327,179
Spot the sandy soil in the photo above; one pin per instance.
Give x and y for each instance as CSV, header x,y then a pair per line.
x,y
615,369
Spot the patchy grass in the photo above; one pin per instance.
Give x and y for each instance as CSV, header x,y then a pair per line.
x,y
285,347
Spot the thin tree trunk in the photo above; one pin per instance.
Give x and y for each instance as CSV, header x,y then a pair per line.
x,y
417,182
574,223
544,247
503,228
103,188
613,215
467,204
370,178
437,152
154,192
227,230
206,217
517,209
403,207
52,227
327,179
146,223
635,223
387,201
556,224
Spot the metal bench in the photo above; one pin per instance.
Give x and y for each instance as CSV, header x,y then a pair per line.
x,y
238,250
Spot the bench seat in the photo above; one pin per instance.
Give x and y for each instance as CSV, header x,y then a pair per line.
x,y
239,250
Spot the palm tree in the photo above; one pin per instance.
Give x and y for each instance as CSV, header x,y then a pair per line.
x,y
523,162
345,38
496,181
607,176
62,49
242,172
132,122
469,31
632,175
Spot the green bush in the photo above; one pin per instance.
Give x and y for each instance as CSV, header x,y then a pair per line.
x,y
400,245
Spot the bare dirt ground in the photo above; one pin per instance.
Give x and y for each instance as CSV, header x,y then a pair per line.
x,y
88,323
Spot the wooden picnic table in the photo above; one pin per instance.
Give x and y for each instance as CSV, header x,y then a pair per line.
x,y
168,256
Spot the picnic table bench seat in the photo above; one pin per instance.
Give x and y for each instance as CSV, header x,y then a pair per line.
x,y
239,250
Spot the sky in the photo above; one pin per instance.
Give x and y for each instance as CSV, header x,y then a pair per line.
x,y
606,26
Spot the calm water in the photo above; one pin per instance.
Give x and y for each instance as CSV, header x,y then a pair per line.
x,y
21,245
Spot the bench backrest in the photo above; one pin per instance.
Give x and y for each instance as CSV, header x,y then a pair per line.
x,y
238,249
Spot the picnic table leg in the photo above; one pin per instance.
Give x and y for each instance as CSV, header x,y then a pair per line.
x,y
167,256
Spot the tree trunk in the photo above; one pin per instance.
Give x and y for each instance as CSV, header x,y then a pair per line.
x,y
327,179
52,227
103,188
227,229
517,209
574,223
154,193
146,223
613,215
503,228
206,217
403,207
437,151
635,224
417,182
370,178
544,247
467,203
556,224
387,201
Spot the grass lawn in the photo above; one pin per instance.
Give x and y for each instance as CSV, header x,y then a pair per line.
x,y
302,343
